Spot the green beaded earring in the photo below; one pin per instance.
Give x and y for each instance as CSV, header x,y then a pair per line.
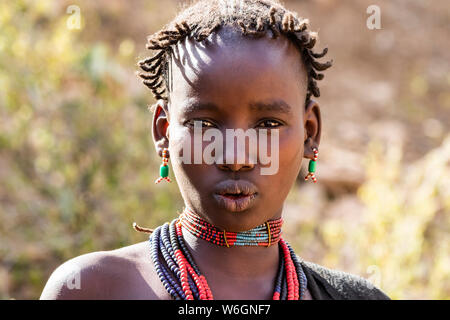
x,y
312,166
164,168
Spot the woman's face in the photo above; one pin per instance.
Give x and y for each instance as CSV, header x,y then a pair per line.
x,y
235,82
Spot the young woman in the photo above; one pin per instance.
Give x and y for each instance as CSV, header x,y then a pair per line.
x,y
224,65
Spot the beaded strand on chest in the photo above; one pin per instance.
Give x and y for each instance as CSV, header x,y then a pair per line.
x,y
183,279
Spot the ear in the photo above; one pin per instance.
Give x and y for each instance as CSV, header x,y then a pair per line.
x,y
312,124
160,126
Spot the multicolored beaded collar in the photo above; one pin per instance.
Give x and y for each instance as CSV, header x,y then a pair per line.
x,y
182,277
266,234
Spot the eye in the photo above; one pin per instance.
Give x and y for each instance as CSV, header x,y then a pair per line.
x,y
269,123
204,123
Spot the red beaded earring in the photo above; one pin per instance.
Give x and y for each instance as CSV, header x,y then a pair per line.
x,y
164,168
312,166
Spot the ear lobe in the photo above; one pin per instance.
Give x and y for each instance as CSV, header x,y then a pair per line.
x,y
312,126
160,125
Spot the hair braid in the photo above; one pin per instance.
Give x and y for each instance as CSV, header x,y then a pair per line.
x,y
253,17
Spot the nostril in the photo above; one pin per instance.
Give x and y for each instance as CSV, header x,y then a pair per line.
x,y
236,167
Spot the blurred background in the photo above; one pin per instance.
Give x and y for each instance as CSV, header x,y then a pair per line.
x,y
77,163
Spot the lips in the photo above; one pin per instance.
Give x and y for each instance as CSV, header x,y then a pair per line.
x,y
235,195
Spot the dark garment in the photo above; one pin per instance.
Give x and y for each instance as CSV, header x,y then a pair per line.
x,y
329,284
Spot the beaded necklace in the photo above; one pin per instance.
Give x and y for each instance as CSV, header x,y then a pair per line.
x,y
181,276
265,234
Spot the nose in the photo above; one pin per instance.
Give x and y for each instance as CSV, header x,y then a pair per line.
x,y
237,155
237,163
235,166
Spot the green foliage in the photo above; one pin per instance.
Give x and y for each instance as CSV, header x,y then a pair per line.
x,y
77,162
398,236
407,226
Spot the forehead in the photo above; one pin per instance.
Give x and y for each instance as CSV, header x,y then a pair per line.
x,y
229,67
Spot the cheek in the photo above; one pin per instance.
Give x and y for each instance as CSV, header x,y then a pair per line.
x,y
179,137
291,153
188,176
294,148
181,145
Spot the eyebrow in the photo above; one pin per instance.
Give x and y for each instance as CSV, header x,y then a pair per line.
x,y
273,105
200,106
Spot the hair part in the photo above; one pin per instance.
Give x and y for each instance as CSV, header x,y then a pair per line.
x,y
253,17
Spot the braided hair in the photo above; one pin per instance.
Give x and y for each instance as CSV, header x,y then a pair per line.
x,y
253,17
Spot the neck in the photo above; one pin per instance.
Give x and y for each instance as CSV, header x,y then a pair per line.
x,y
259,259
266,234
237,261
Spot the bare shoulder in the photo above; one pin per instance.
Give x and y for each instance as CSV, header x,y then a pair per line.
x,y
125,273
